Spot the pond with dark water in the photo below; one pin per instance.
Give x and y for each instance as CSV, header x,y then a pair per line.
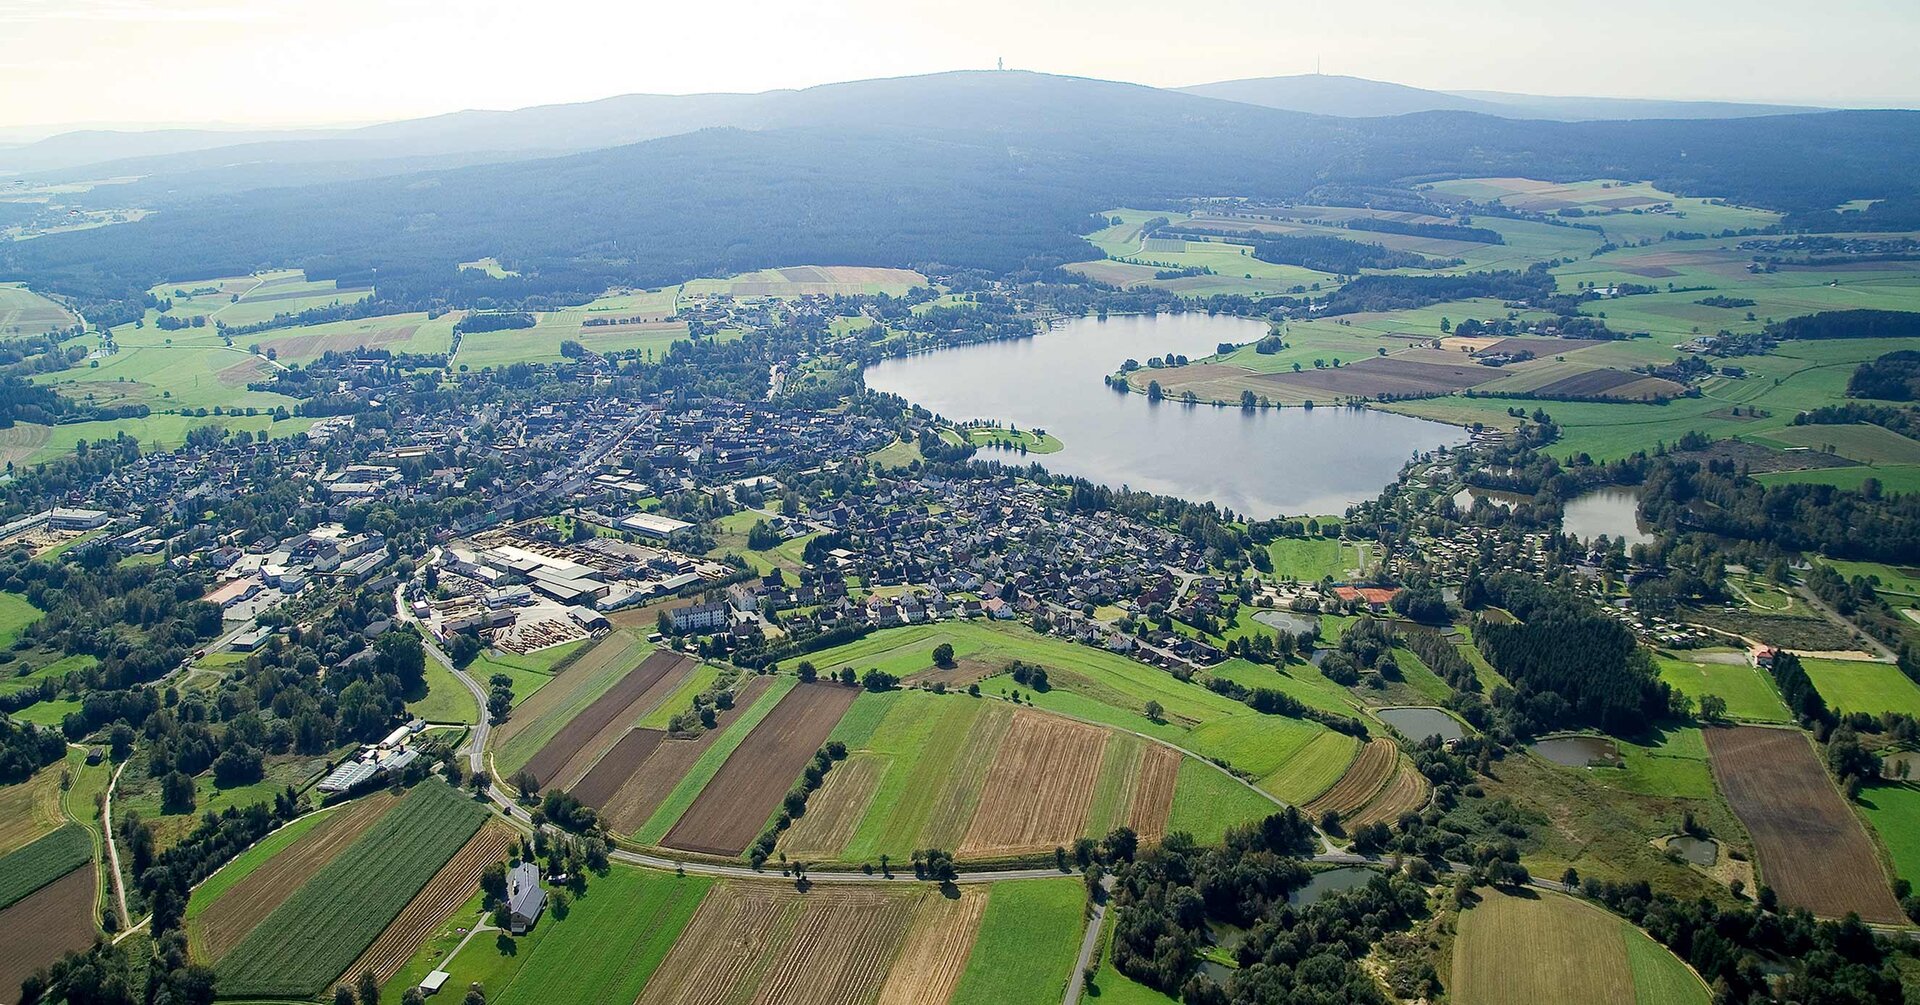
x,y
1262,463
1578,751
1330,882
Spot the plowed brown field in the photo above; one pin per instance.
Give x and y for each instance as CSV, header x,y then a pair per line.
x,y
449,888
561,753
1039,789
1153,796
41,927
619,764
650,785
736,804
767,944
590,752
247,903
937,946
834,812
1812,849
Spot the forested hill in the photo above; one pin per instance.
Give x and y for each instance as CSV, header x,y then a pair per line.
x,y
989,170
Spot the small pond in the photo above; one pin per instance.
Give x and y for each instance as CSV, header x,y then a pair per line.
x,y
1578,751
1330,882
1419,722
1464,499
1699,851
1292,622
1612,512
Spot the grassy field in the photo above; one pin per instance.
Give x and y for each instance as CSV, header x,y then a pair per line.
x,y
45,860
586,679
1748,692
245,300
1894,479
1310,559
1894,813
1019,440
447,700
31,809
415,333
24,313
1856,442
16,613
1887,579
247,861
606,948
1872,688
319,931
1206,803
1028,941
1538,947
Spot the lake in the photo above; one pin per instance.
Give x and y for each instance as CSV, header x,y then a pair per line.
x,y
1260,463
1578,751
1329,882
1612,511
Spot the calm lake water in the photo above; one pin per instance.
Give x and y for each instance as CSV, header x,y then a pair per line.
x,y
1612,511
1261,463
1329,882
1421,722
1578,751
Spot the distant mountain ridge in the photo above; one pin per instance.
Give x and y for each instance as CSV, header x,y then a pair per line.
x,y
226,159
1358,97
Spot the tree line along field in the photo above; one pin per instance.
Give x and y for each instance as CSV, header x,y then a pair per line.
x,y
1517,948
645,936
336,905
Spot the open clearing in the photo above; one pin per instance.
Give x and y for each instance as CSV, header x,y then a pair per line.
x,y
56,919
1858,686
1528,947
26,313
735,806
1749,694
1811,848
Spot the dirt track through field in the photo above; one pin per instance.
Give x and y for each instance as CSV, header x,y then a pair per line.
x,y
227,920
451,887
53,920
938,943
1038,792
1812,849
1153,794
654,780
660,690
736,804
619,764
550,763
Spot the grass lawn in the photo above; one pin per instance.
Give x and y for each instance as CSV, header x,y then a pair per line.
x,y
1028,942
1206,803
1311,559
15,615
1894,479
1293,759
1749,694
446,700
1872,688
703,770
1894,812
610,943
1886,578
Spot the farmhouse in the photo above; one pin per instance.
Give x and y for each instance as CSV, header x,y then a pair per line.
x,y
525,898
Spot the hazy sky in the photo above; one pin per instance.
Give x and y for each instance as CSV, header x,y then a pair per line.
x,y
281,61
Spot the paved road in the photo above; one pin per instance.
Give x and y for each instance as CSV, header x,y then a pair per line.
x,y
476,746
1089,944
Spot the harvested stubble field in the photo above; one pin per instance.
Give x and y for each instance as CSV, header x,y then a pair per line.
x,y
30,809
42,862
654,779
1406,791
244,905
319,931
753,942
934,954
56,919
451,887
1527,947
612,770
834,812
1395,375
607,719
1135,788
734,807
1811,848
1039,789
1364,778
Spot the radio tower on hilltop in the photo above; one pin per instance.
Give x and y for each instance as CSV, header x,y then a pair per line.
x,y
1000,63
